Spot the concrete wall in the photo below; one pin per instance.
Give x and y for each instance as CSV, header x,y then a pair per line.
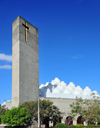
x,y
63,104
29,126
15,62
8,105
25,63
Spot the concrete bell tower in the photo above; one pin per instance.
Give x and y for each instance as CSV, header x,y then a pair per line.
x,y
25,62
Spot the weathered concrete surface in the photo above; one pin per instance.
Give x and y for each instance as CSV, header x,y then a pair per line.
x,y
63,104
25,63
8,105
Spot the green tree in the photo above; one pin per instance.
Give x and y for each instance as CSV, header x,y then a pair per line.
x,y
89,109
77,108
91,112
48,111
2,111
15,117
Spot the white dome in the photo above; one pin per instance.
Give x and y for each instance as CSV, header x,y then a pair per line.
x,y
48,90
60,87
56,90
3,104
42,85
87,89
53,88
63,84
69,88
67,91
71,85
76,92
55,81
46,83
86,93
95,92
78,88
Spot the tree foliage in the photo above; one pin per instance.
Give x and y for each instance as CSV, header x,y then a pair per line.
x,y
2,111
15,117
89,109
77,107
47,111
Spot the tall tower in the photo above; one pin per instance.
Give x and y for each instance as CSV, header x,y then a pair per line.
x,y
25,62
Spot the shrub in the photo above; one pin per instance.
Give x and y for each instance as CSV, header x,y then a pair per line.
x,y
16,117
77,126
2,111
92,126
61,125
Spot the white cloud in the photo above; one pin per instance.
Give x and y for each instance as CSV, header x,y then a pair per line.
x,y
5,67
3,104
5,57
60,89
77,56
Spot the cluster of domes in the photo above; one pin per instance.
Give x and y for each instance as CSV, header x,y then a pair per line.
x,y
60,87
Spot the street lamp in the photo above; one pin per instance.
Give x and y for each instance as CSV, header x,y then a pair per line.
x,y
38,113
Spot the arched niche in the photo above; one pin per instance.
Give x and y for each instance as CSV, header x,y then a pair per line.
x,y
69,120
79,120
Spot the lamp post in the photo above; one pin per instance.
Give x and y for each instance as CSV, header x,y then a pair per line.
x,y
38,113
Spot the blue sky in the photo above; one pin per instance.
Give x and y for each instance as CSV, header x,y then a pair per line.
x,y
69,40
